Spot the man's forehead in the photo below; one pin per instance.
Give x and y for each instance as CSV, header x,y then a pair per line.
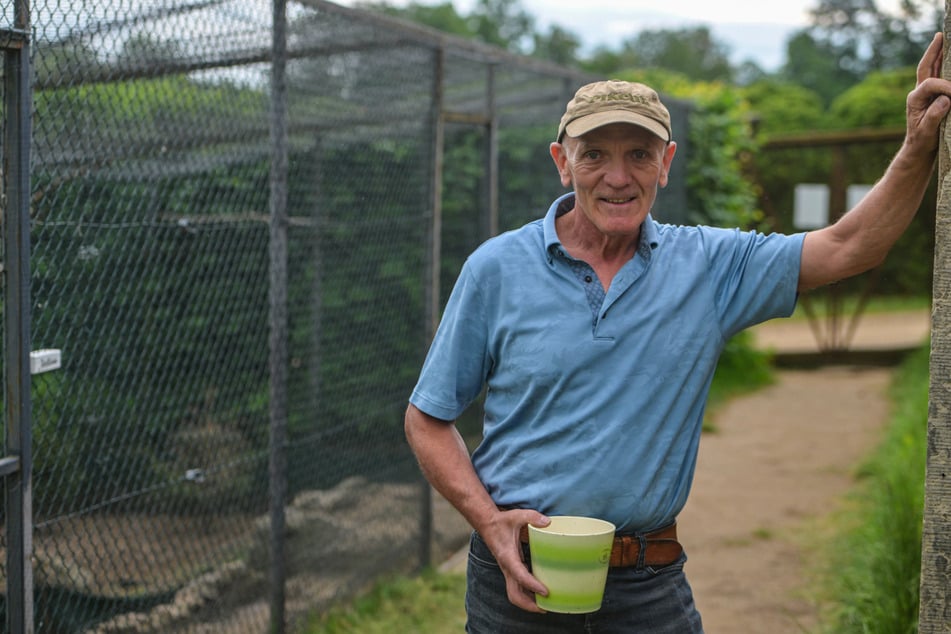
x,y
618,132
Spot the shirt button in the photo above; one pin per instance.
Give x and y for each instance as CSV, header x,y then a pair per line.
x,y
587,278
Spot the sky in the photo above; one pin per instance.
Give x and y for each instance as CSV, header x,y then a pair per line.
x,y
754,30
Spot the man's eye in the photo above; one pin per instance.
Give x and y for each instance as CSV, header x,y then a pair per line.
x,y
592,155
640,155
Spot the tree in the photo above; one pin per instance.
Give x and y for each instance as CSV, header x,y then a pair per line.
x,y
863,38
558,46
780,107
502,23
878,101
604,61
817,66
693,51
58,63
442,17
496,22
749,72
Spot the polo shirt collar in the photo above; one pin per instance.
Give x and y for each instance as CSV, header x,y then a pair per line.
x,y
650,237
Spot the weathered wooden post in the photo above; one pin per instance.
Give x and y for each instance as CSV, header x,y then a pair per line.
x,y
935,606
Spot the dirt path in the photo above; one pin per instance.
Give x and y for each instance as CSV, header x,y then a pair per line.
x,y
779,460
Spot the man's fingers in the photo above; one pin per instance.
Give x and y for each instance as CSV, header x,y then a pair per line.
x,y
930,64
522,598
938,110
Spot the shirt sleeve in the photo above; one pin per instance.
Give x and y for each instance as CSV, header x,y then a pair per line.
x,y
756,276
456,366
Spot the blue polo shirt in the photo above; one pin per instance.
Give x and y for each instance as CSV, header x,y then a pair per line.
x,y
594,401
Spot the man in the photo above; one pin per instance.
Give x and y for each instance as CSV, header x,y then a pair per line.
x,y
596,332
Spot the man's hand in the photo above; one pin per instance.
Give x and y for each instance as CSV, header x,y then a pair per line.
x,y
444,459
501,536
928,103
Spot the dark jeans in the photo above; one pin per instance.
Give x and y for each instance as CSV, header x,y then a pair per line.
x,y
641,600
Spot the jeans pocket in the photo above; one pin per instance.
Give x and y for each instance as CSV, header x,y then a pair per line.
x,y
480,555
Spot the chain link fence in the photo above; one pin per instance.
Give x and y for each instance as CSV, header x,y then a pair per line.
x,y
154,221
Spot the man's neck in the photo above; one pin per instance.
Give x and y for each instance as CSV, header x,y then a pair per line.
x,y
605,254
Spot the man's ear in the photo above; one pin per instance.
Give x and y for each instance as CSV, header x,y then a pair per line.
x,y
669,152
560,156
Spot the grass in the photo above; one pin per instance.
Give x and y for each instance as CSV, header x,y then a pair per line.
x,y
432,603
742,369
871,580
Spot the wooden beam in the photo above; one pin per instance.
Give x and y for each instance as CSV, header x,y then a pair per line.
x,y
844,137
935,588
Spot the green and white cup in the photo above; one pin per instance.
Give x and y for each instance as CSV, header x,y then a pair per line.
x,y
571,556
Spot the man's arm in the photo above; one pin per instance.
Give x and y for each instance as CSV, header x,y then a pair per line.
x,y
444,460
861,239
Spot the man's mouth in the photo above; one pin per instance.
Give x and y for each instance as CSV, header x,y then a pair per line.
x,y
618,201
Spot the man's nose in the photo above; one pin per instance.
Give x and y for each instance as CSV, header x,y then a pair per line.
x,y
617,174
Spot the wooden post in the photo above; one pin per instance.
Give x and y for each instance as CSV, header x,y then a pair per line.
x,y
935,590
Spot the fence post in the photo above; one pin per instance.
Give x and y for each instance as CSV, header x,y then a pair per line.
x,y
432,280
491,223
17,467
278,314
935,590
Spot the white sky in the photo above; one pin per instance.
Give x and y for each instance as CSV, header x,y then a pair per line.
x,y
753,29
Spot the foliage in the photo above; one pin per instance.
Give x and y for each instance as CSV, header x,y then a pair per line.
x,y
502,23
877,102
499,23
779,107
815,66
720,142
874,563
741,369
866,38
558,45
846,40
693,52
442,17
430,604
850,38
123,257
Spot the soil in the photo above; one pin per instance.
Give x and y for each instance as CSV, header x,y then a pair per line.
x,y
777,464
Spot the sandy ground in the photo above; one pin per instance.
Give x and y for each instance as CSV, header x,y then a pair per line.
x,y
778,462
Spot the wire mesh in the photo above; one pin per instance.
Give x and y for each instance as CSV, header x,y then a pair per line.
x,y
150,220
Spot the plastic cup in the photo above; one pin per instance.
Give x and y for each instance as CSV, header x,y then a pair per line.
x,y
571,556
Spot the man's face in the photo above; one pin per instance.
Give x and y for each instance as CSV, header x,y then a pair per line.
x,y
615,171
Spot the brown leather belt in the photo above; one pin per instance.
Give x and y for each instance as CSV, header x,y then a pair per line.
x,y
661,547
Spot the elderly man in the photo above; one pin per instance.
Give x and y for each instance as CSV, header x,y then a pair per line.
x,y
595,332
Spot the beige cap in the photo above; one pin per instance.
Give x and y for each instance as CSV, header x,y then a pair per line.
x,y
613,101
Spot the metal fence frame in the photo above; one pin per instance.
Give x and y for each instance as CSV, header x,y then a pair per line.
x,y
18,94
16,467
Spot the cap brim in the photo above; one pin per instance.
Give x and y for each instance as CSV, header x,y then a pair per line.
x,y
583,125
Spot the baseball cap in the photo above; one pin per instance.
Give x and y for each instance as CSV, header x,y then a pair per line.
x,y
613,101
